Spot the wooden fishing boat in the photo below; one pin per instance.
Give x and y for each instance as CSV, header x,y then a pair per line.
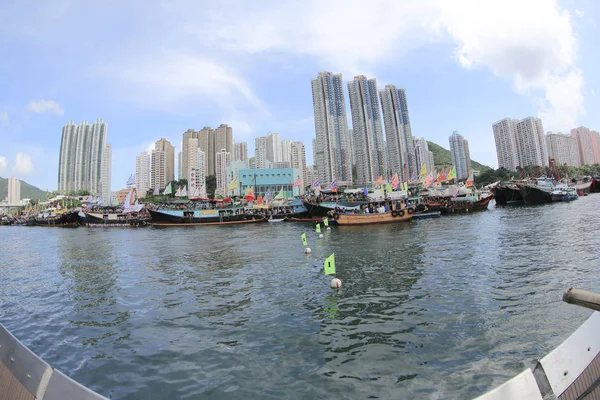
x,y
244,221
379,216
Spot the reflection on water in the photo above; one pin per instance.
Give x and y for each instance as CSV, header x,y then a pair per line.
x,y
444,308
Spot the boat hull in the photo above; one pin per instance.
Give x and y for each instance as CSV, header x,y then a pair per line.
x,y
66,220
370,219
197,217
246,221
321,209
534,195
505,194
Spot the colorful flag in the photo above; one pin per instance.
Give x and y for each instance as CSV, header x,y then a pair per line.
x,y
333,185
405,186
470,180
325,221
329,265
318,228
168,189
280,195
379,180
249,194
414,178
316,184
268,195
388,188
452,174
365,191
298,182
395,181
303,237
232,185
156,191
260,199
423,171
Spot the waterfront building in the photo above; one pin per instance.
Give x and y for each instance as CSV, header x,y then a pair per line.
x,y
467,156
260,153
223,160
562,148
298,161
286,150
505,133
240,152
180,173
331,153
14,191
531,144
422,155
281,164
106,175
367,130
142,174
400,146
458,151
162,164
270,179
587,145
233,173
80,157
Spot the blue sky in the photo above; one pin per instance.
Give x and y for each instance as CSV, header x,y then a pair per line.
x,y
153,69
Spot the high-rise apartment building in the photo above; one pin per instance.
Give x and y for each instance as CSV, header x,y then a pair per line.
x,y
562,148
197,172
142,174
298,161
286,150
587,145
180,173
223,160
209,141
163,164
80,157
191,157
505,134
273,147
367,130
459,156
240,152
467,156
14,191
531,144
398,133
106,175
351,147
422,156
331,145
260,153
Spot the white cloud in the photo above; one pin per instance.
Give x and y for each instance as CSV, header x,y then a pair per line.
x,y
3,117
45,106
534,54
23,164
579,13
3,164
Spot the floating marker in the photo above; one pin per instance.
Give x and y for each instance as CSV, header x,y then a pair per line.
x,y
321,236
328,228
335,283
325,221
307,250
329,265
318,228
303,237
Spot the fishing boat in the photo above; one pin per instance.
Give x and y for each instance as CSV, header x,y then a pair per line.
x,y
185,212
506,193
538,192
584,187
129,214
375,213
275,220
564,194
58,218
462,205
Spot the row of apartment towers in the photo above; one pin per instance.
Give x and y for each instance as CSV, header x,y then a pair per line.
x,y
337,149
209,152
522,143
85,159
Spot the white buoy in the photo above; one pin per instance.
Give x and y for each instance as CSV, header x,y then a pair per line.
x,y
335,283
320,236
328,228
307,250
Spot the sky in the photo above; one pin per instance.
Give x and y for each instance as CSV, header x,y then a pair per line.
x,y
153,69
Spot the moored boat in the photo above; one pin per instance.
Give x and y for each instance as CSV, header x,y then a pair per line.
x,y
537,193
66,219
506,193
375,213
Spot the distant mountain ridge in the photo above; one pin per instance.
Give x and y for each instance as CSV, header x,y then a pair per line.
x,y
443,158
27,191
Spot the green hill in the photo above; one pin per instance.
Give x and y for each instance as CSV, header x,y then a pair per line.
x,y
442,157
27,191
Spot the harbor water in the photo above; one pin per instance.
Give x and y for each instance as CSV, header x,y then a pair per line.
x,y
438,308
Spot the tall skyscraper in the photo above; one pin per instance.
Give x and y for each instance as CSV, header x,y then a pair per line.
x,y
14,191
587,145
260,153
458,153
273,147
286,150
398,133
505,133
367,130
562,148
224,138
223,160
163,164
106,175
240,152
80,157
197,172
351,147
142,174
191,157
298,161
467,155
180,173
331,147
422,155
531,144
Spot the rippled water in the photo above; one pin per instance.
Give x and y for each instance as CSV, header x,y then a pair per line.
x,y
444,308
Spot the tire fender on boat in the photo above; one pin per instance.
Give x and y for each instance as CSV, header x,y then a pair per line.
x,y
336,216
401,213
411,210
395,213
